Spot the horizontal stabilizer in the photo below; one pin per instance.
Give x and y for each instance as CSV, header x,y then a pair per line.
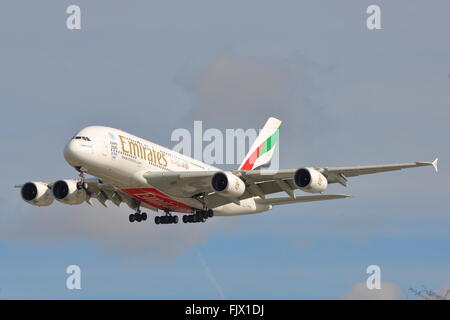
x,y
287,200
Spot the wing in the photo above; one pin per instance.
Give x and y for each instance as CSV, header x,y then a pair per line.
x,y
339,174
197,184
103,191
288,200
182,184
259,183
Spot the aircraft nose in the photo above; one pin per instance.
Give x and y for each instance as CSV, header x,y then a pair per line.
x,y
72,153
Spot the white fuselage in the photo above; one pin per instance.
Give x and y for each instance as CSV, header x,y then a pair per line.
x,y
122,159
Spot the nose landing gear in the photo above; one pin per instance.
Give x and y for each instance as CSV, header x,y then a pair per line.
x,y
81,184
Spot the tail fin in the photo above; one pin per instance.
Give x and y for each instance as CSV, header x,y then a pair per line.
x,y
262,149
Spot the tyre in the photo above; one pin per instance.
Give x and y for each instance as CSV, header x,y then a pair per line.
x,y
157,220
175,219
131,217
144,216
138,217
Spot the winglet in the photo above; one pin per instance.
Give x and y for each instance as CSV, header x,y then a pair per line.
x,y
434,164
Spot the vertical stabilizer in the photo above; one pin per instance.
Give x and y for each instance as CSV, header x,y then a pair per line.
x,y
262,149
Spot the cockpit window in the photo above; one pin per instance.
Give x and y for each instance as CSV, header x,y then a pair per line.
x,y
81,137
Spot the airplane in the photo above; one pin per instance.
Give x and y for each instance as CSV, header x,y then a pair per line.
x,y
142,174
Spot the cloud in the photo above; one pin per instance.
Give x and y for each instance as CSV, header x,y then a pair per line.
x,y
244,91
234,91
445,291
426,293
388,291
108,228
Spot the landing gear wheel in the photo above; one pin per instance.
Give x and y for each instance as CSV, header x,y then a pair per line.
x,y
82,185
138,217
210,213
175,219
185,219
131,217
157,220
144,216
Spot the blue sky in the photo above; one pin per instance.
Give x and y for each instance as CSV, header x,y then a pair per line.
x,y
346,95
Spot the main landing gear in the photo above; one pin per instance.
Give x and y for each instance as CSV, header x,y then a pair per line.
x,y
138,216
199,216
166,219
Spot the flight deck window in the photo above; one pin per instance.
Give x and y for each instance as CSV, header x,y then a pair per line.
x,y
83,138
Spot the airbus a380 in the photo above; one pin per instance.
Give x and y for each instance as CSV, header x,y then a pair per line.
x,y
146,175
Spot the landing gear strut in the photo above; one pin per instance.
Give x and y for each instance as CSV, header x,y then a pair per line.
x,y
200,215
166,219
81,184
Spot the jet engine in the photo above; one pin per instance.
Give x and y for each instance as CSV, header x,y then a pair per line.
x,y
310,180
68,192
37,194
227,184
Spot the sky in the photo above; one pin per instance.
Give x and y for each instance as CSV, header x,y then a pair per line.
x,y
346,95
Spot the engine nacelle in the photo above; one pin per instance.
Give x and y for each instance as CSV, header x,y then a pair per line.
x,y
37,194
310,180
67,191
227,184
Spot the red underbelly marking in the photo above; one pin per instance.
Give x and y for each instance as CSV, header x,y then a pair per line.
x,y
155,198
